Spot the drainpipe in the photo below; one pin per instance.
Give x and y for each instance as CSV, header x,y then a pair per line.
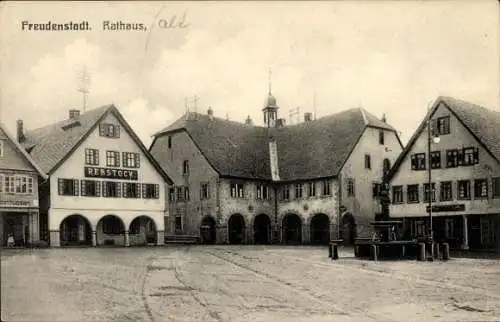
x,y
339,187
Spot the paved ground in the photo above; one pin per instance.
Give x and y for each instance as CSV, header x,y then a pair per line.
x,y
241,283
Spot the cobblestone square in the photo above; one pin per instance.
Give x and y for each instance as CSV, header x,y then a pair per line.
x,y
241,283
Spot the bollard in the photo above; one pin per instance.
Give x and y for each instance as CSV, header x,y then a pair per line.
x,y
421,253
335,251
330,252
445,248
374,251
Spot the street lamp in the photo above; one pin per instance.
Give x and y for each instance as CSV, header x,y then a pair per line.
x,y
430,139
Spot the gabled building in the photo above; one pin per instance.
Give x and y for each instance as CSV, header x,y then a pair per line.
x,y
304,183
103,188
465,176
19,178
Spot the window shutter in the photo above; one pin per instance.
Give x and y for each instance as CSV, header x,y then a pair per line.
x,y
157,191
117,131
434,127
117,159
84,184
125,160
102,131
97,188
143,190
118,189
137,190
476,155
413,162
104,190
60,186
97,157
460,157
124,190
138,160
76,186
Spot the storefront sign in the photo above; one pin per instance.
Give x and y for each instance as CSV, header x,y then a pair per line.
x,y
15,203
94,172
444,208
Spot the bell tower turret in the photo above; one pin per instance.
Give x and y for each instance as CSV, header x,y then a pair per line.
x,y
271,108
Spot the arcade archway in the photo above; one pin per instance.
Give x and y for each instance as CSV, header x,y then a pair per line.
x,y
110,231
142,231
320,229
348,228
292,229
208,230
236,229
262,229
75,230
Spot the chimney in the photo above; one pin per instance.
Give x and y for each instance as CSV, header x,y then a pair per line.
x,y
74,113
307,117
20,131
248,121
384,119
210,112
280,122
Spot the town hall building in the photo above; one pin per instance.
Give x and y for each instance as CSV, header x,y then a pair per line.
x,y
298,184
104,187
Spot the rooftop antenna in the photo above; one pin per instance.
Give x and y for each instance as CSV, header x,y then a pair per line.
x,y
195,103
84,86
186,107
294,112
270,74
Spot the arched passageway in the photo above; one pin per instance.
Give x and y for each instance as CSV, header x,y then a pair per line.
x,y
348,228
75,230
262,229
320,229
142,231
292,230
236,228
110,231
208,230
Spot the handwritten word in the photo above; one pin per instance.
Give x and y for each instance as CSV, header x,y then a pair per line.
x,y
173,22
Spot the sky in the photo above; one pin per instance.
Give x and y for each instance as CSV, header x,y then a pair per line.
x,y
385,56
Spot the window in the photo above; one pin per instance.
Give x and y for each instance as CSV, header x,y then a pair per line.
x,y
449,228
453,158
427,192
326,188
185,167
381,137
262,192
204,191
91,188
418,161
376,190
386,166
418,228
111,189
109,130
178,223
112,159
412,193
350,188
470,156
171,194
397,194
131,190
436,160
463,189
180,194
496,187
285,192
131,160
19,184
169,142
443,125
368,161
186,193
91,156
446,191
237,190
150,191
480,189
1,148
67,187
298,190
10,184
311,189
1,183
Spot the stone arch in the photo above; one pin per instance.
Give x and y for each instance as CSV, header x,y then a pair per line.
x,y
291,228
142,231
110,230
236,227
262,229
75,230
208,230
320,229
348,228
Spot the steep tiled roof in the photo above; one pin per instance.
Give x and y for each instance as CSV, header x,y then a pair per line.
x,y
23,152
314,149
483,124
51,145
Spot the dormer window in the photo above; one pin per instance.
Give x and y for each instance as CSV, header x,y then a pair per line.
x,y
109,130
443,125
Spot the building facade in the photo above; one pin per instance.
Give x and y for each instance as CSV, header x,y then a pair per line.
x,y
104,188
19,204
465,176
304,183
